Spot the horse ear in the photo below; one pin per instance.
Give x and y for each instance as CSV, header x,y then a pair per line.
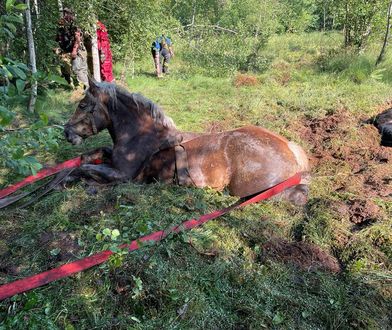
x,y
93,88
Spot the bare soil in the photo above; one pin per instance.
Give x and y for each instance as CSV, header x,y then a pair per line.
x,y
245,80
347,151
304,255
341,141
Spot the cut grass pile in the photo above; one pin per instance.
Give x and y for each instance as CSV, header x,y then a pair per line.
x,y
224,274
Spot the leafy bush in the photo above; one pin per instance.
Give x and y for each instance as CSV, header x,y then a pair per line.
x,y
222,55
22,134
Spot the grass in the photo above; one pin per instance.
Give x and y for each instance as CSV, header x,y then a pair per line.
x,y
216,276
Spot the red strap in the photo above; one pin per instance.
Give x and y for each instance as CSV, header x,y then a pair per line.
x,y
71,163
35,281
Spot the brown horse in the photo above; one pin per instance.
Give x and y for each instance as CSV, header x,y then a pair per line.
x,y
148,147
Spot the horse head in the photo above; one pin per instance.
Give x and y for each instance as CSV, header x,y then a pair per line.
x,y
91,115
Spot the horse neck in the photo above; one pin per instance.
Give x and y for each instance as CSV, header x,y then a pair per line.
x,y
126,124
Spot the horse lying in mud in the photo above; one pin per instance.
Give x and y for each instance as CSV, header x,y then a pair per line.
x,y
148,147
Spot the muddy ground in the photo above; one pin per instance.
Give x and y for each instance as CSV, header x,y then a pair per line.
x,y
346,156
346,150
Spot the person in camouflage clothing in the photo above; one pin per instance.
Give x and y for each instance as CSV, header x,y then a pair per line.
x,y
70,39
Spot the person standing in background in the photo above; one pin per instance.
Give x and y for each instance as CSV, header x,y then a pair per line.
x,y
162,46
70,39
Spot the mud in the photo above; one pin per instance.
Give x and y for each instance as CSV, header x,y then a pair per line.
x,y
347,149
245,80
305,256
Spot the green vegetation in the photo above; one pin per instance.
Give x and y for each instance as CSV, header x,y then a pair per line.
x,y
219,276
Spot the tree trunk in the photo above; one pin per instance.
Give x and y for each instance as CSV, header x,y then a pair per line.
x,y
32,60
60,4
95,55
347,27
381,56
36,8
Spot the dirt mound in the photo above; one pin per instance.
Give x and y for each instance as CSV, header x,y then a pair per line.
x,y
306,256
341,145
361,211
245,80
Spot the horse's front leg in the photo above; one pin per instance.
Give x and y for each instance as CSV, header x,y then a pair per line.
x,y
103,154
102,173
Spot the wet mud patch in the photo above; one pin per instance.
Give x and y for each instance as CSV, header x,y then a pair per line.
x,y
362,212
341,144
305,256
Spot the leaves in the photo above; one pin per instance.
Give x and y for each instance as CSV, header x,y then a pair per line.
x,y
6,116
278,318
20,6
57,79
20,85
16,72
9,4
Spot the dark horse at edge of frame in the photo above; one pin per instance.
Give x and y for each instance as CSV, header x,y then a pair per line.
x,y
147,147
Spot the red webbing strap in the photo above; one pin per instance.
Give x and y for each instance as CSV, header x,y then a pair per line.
x,y
71,163
35,281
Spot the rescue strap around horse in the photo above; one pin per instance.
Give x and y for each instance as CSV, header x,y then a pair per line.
x,y
42,174
35,281
71,163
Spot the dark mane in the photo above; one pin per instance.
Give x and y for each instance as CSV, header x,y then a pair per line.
x,y
136,102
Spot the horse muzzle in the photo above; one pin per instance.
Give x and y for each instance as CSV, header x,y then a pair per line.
x,y
71,136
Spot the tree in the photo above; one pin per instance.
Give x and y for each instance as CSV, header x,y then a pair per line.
x,y
358,20
389,13
32,60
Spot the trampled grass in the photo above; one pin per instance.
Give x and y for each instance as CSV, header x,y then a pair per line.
x,y
217,276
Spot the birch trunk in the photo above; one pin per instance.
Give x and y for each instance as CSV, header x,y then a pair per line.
x,y
95,55
36,8
381,56
60,4
32,59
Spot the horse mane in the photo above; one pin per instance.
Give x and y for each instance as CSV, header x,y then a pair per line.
x,y
142,104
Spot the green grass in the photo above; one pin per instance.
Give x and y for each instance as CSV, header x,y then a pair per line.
x,y
220,280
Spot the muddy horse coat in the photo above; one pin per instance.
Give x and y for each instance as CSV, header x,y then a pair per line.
x,y
148,147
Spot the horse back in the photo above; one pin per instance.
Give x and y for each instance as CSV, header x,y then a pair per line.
x,y
246,160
